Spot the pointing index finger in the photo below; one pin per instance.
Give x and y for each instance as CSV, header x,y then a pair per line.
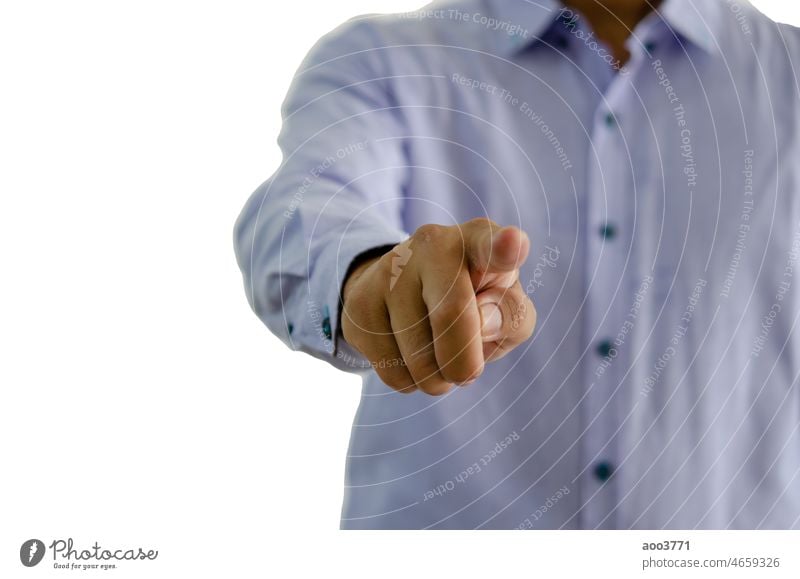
x,y
495,249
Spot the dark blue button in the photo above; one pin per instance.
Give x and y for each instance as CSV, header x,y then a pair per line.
x,y
290,327
326,323
608,231
561,42
603,470
610,120
605,348
650,47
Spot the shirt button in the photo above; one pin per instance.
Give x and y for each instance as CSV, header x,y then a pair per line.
x,y
604,348
326,324
610,120
608,231
603,470
650,46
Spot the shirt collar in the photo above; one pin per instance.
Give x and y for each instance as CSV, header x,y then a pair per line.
x,y
534,18
697,21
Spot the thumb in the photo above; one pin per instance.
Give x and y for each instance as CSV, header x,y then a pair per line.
x,y
491,321
507,315
495,249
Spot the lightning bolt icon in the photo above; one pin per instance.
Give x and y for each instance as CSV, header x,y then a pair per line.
x,y
34,548
400,258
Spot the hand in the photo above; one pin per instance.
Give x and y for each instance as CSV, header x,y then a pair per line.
x,y
429,313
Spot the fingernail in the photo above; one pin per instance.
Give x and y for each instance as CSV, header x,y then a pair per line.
x,y
498,234
491,322
469,381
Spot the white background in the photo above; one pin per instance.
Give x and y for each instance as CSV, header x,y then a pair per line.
x,y
143,404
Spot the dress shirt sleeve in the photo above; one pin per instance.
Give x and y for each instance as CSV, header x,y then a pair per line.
x,y
337,194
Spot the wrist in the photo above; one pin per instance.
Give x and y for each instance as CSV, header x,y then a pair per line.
x,y
357,269
360,265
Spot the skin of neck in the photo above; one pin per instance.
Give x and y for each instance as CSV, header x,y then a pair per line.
x,y
613,20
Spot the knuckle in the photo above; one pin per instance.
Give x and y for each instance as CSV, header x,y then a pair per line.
x,y
459,373
430,232
438,241
434,387
397,380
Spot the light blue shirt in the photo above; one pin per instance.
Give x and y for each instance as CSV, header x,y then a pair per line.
x,y
660,388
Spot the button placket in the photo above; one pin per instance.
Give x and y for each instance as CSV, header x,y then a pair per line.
x,y
608,183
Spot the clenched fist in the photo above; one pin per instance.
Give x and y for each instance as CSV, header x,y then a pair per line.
x,y
432,311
